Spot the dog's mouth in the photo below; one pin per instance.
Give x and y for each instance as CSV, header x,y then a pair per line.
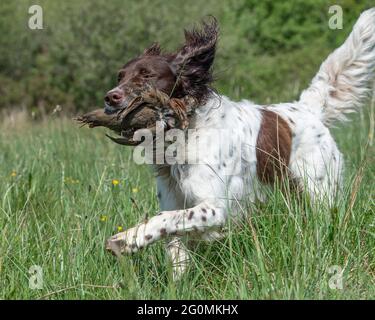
x,y
141,111
124,121
109,109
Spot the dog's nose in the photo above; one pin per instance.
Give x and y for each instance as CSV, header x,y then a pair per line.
x,y
114,97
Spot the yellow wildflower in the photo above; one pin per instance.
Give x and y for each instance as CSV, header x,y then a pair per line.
x,y
120,228
103,218
115,182
135,190
71,180
13,174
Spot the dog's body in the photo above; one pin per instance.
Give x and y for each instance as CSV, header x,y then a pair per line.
x,y
285,142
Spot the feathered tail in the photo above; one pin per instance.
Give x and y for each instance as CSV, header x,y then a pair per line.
x,y
346,77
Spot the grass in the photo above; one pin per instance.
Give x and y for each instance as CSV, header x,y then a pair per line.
x,y
58,204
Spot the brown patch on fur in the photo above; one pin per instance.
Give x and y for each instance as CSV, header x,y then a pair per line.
x,y
273,147
163,232
191,213
333,94
148,237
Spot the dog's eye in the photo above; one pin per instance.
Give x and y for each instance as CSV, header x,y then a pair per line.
x,y
120,76
145,73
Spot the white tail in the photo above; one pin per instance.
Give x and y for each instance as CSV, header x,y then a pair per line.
x,y
346,77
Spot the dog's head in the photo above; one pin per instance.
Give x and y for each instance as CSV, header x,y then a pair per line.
x,y
186,72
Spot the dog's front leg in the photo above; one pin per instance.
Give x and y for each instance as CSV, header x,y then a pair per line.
x,y
196,220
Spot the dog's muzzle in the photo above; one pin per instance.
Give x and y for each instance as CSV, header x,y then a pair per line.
x,y
128,101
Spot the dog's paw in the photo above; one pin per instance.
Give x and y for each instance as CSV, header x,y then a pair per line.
x,y
124,242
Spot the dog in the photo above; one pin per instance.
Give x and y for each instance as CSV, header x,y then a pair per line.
x,y
270,143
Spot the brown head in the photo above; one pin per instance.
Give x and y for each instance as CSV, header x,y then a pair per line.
x,y
186,72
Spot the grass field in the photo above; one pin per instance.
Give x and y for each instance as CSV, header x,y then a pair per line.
x,y
59,201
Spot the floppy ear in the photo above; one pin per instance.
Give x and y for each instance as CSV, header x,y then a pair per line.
x,y
193,61
154,50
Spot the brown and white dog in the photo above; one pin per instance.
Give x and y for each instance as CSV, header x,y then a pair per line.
x,y
280,141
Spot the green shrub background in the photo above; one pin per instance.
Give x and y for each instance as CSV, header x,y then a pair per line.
x,y
268,50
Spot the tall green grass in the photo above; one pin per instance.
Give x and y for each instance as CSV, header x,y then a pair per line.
x,y
58,204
